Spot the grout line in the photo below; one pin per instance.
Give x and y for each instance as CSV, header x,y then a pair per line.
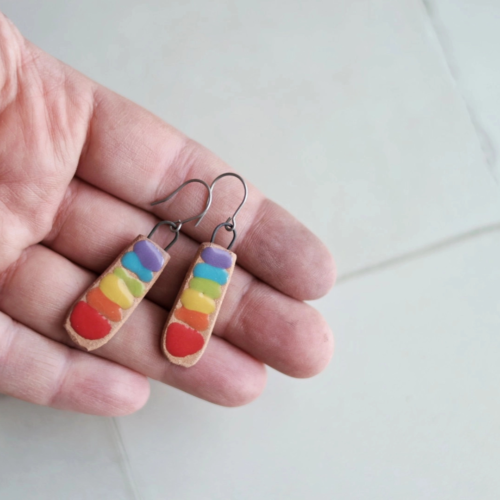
x,y
124,459
485,141
423,252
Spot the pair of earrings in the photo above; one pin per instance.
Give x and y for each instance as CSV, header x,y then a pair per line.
x,y
99,313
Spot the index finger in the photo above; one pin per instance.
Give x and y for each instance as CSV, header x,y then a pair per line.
x,y
135,156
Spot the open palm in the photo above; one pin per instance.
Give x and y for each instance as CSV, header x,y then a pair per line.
x,y
79,167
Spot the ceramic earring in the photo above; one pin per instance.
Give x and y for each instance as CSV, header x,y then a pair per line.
x,y
99,313
192,318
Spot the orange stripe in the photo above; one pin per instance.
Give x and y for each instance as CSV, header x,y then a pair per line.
x,y
199,321
99,301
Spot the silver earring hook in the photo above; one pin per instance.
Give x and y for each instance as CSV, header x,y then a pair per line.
x,y
230,224
176,226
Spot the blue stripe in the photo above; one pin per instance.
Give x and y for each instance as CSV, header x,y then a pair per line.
x,y
131,261
209,272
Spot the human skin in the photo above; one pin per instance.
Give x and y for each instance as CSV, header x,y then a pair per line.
x,y
79,167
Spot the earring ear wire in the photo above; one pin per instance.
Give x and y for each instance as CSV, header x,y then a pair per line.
x,y
230,223
176,226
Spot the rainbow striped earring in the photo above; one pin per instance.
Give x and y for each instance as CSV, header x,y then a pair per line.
x,y
192,318
100,312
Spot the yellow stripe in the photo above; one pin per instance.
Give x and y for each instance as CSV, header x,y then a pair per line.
x,y
116,290
196,301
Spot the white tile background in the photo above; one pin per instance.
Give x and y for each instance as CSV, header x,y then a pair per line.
x,y
376,122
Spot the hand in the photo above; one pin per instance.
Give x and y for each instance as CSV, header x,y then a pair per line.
x,y
79,167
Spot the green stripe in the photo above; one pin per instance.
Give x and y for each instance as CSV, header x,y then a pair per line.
x,y
206,287
135,286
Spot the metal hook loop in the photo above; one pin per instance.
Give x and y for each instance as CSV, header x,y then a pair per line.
x,y
173,227
228,228
176,226
230,224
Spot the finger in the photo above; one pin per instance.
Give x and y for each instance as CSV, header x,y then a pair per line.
x,y
280,331
42,287
41,371
136,157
